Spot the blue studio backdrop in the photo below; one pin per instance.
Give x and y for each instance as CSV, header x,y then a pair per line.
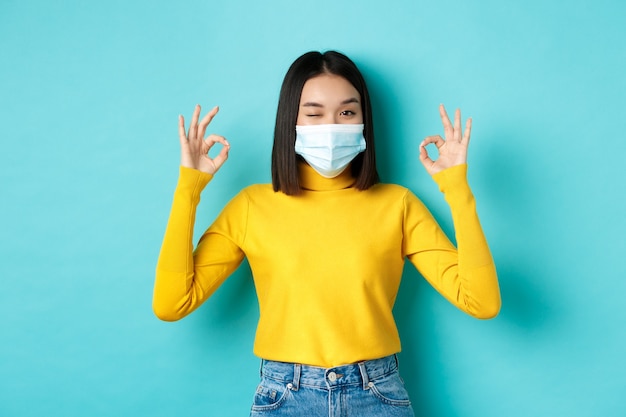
x,y
90,93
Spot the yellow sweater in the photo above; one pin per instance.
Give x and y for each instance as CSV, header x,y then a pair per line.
x,y
327,263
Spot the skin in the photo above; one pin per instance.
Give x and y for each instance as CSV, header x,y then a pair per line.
x,y
194,147
452,150
325,99
329,99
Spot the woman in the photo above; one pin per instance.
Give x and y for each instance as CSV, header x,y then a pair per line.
x,y
326,243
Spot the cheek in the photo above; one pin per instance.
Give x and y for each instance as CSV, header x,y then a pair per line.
x,y
301,120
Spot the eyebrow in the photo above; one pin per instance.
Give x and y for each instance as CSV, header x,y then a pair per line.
x,y
314,104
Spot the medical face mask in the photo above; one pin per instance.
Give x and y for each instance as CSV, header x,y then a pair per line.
x,y
329,148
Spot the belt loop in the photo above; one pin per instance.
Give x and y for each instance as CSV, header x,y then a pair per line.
x,y
297,368
261,368
364,376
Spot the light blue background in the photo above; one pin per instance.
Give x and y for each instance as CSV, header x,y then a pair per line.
x,y
90,95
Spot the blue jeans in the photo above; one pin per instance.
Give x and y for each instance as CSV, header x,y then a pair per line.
x,y
370,388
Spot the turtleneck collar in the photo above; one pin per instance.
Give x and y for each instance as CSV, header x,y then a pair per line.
x,y
311,180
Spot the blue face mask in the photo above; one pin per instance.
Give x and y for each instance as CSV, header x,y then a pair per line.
x,y
329,149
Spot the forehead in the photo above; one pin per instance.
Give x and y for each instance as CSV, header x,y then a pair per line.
x,y
328,88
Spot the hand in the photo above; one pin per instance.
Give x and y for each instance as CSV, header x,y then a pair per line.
x,y
453,150
194,148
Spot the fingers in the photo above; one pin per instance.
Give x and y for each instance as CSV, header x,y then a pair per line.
x,y
193,127
468,131
181,131
457,125
436,139
213,139
452,150
222,156
447,126
424,158
196,130
204,123
454,131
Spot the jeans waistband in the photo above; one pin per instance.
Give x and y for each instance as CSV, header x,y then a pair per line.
x,y
357,373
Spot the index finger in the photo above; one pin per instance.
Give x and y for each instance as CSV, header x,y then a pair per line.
x,y
213,139
204,123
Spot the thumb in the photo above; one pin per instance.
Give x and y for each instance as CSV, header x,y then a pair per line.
x,y
221,157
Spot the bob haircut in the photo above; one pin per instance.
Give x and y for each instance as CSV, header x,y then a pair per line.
x,y
284,158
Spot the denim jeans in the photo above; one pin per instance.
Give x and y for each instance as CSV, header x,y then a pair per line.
x,y
370,388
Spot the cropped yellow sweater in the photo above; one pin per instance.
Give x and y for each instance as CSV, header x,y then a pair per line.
x,y
327,263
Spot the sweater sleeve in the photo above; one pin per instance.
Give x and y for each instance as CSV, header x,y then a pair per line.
x,y
465,276
186,278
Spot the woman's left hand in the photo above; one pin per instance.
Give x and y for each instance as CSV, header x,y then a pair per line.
x,y
452,150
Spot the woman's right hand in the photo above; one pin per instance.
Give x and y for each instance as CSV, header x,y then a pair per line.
x,y
194,147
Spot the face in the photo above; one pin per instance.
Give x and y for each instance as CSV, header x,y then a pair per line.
x,y
329,99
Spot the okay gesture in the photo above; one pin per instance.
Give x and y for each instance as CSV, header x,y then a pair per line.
x,y
452,150
194,147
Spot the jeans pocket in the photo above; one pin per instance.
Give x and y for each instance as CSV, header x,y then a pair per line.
x,y
390,390
270,395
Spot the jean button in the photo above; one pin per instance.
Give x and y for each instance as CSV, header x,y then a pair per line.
x,y
332,377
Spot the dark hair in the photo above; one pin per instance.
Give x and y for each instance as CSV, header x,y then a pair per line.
x,y
284,158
